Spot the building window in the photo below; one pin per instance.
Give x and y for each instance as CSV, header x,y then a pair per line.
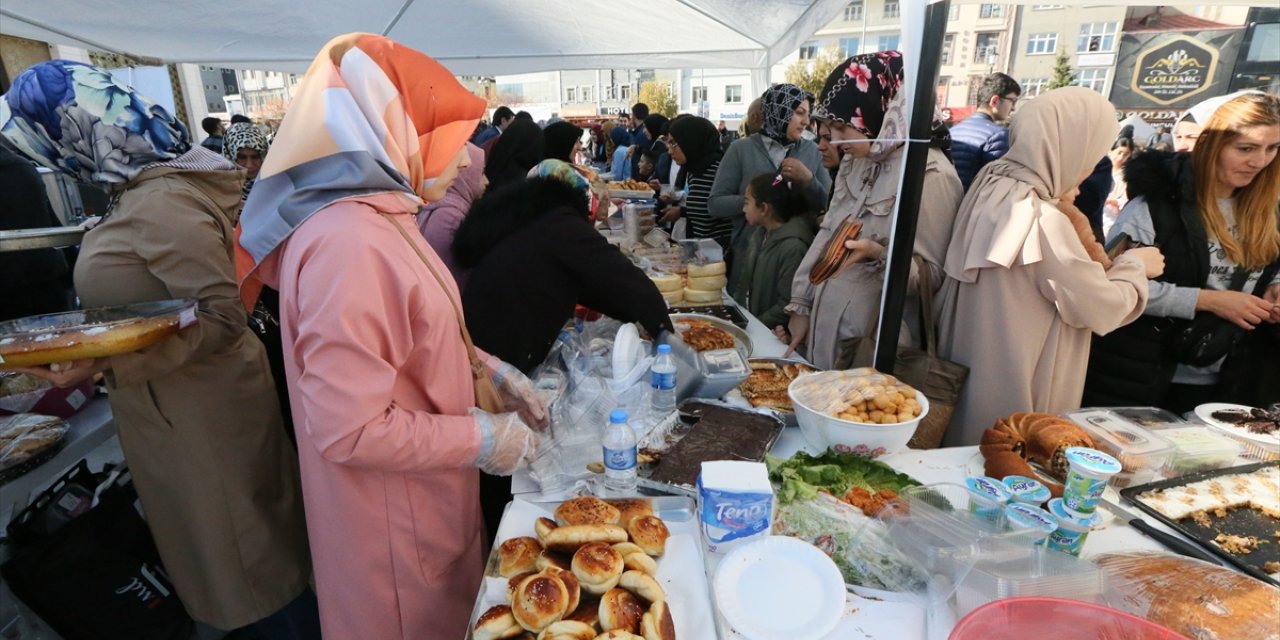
x,y
733,94
1042,44
1094,78
948,44
1096,36
1046,7
987,50
853,11
849,46
888,43
585,92
571,94
991,11
809,50
890,9
1032,87
1265,46
624,92
699,95
941,90
953,13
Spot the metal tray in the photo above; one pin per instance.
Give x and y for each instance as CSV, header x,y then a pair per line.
x,y
91,333
722,311
41,238
1241,522
741,340
663,440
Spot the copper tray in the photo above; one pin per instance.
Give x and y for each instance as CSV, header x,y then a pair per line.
x,y
91,333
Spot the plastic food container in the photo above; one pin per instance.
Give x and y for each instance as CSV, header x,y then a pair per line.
x,y
722,371
1142,452
1032,518
1072,529
1088,471
1027,491
1198,448
1040,573
1146,416
1031,617
987,497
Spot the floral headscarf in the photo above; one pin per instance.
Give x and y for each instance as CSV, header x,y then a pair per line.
x,y
859,90
80,120
239,136
374,121
779,103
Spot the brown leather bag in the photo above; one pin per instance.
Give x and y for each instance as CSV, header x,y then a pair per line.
x,y
487,396
941,381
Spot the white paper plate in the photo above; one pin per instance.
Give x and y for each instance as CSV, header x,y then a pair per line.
x,y
1204,411
780,587
626,350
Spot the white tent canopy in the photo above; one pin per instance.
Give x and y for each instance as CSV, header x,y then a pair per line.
x,y
470,37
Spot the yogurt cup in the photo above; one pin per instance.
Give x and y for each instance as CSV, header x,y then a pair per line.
x,y
987,497
1025,517
1072,531
1027,490
1087,475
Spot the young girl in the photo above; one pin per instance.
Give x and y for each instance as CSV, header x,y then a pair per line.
x,y
764,284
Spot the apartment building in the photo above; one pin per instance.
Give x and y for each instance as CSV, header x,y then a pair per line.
x,y
978,41
1088,34
218,83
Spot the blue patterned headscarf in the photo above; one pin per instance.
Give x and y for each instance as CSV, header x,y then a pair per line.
x,y
80,120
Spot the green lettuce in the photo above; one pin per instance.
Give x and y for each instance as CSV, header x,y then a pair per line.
x,y
801,476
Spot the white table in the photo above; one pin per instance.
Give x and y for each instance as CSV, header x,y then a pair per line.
x,y
90,428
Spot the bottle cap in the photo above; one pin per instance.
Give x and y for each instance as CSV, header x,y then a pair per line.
x,y
618,416
664,348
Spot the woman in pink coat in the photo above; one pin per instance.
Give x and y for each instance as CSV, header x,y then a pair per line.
x,y
389,440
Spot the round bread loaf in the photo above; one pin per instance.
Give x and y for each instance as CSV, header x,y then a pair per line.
x,y
650,534
694,295
568,538
548,559
571,584
539,601
588,612
627,548
639,561
708,283
631,508
598,567
704,270
518,555
667,282
586,510
568,630
673,297
543,526
514,581
657,623
643,585
496,624
620,610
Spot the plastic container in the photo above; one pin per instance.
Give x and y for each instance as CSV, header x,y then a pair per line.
x,y
1025,516
1072,530
1032,617
1142,452
1040,573
1028,491
1088,471
722,371
1146,416
1198,448
987,497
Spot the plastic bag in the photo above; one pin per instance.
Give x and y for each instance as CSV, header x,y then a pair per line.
x,y
25,435
1200,600
861,395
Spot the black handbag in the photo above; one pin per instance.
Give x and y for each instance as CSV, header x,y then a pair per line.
x,y
85,562
1208,338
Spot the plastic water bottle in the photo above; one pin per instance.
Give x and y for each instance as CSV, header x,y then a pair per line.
x,y
663,381
619,454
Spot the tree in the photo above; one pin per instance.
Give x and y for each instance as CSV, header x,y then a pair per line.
x,y
659,98
810,75
1063,76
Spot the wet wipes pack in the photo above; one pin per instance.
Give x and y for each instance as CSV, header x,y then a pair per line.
x,y
735,502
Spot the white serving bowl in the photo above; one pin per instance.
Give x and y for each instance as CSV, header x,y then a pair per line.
x,y
822,431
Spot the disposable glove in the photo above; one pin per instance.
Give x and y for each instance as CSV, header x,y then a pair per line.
x,y
518,393
506,442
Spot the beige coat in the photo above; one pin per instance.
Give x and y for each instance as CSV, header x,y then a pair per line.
x,y
1022,295
197,414
843,306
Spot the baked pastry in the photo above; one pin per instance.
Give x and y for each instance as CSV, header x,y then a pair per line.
x,y
518,555
620,609
640,561
514,581
539,601
657,624
643,585
569,538
631,508
571,584
586,510
706,270
650,534
496,624
568,630
598,567
543,526
618,634
552,559
627,548
588,612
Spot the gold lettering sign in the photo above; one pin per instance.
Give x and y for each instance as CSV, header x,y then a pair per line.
x,y
1174,70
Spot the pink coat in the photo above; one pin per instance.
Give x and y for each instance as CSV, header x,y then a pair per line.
x,y
380,385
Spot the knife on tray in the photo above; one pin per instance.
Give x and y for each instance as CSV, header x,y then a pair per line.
x,y
1170,541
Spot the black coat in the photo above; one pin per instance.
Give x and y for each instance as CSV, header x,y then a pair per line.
x,y
36,281
534,255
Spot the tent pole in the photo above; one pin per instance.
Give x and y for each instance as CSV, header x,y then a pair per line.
x,y
898,269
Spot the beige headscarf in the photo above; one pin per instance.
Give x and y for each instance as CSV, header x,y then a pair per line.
x,y
1054,143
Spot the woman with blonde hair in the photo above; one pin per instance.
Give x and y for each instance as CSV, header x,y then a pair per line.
x,y
1027,283
1210,330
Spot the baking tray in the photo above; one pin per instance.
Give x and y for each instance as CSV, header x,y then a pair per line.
x,y
92,333
664,440
681,570
742,342
1241,522
722,311
41,238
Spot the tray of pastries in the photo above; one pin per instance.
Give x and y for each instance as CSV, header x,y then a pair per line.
x,y
708,333
588,568
91,333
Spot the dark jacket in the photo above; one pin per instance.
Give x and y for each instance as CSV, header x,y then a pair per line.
x,y
533,256
213,143
1093,195
1134,365
772,258
975,142
36,281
